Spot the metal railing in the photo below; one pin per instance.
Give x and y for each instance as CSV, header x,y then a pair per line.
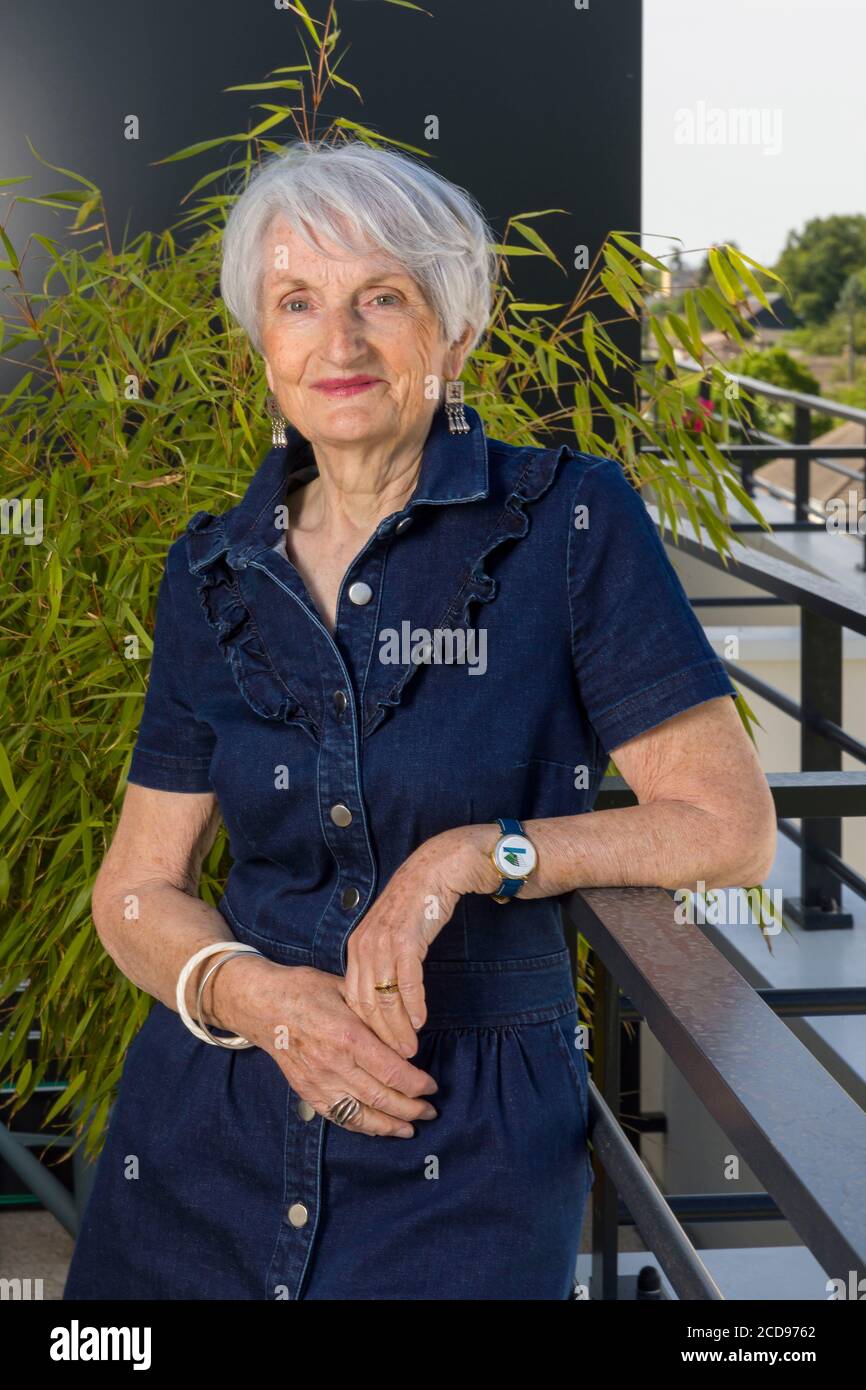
x,y
744,1064
726,1038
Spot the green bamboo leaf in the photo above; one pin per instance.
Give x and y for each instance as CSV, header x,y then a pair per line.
x,y
69,959
199,148
693,346
373,136
617,291
531,308
746,276
509,250
694,322
762,268
724,279
65,1097
537,241
621,266
58,169
637,250
589,346
290,84
299,9
14,263
7,781
664,347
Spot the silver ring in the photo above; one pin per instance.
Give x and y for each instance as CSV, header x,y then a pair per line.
x,y
343,1111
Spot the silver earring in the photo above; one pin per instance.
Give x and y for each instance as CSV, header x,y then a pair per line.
x,y
278,421
457,422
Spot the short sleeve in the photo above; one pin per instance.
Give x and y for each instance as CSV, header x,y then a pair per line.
x,y
173,749
640,654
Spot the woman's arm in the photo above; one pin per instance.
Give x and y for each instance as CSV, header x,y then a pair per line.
x,y
145,905
150,920
705,812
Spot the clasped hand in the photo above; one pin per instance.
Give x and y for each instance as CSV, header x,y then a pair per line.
x,y
390,944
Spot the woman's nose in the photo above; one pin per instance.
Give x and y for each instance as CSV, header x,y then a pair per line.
x,y
344,332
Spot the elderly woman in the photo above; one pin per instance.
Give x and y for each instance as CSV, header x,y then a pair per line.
x,y
397,669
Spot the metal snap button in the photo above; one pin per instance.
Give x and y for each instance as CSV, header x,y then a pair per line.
x,y
403,525
298,1214
350,897
340,701
360,593
306,1112
340,814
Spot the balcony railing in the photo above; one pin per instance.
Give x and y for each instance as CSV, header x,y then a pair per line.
x,y
790,1121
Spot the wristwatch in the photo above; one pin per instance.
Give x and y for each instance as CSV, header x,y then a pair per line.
x,y
515,858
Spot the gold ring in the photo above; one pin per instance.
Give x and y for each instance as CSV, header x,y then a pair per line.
x,y
388,987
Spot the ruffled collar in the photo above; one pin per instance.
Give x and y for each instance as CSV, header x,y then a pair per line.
x,y
454,468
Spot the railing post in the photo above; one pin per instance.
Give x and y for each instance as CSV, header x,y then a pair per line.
x,y
862,565
820,903
606,1077
802,435
747,466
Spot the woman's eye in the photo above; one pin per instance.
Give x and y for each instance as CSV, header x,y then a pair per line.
x,y
290,303
386,295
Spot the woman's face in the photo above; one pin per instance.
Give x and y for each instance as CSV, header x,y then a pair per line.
x,y
325,320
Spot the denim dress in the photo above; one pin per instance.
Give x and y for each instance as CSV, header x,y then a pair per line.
x,y
495,641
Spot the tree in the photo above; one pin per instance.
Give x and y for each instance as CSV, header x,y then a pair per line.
x,y
817,261
852,298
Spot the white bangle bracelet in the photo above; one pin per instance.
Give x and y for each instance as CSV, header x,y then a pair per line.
x,y
183,979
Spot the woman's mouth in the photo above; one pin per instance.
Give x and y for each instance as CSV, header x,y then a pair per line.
x,y
346,386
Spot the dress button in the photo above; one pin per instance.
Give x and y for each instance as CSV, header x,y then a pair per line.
x,y
340,701
350,897
403,525
306,1111
298,1214
360,593
340,814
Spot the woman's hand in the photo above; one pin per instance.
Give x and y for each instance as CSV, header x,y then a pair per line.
x,y
392,941
300,1017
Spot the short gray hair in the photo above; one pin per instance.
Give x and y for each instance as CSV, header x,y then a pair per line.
x,y
355,194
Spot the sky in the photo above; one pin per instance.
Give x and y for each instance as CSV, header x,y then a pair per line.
x,y
800,66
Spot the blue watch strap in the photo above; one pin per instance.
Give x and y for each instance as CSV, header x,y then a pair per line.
x,y
509,827
509,887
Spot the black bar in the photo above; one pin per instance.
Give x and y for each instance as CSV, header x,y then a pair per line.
x,y
821,698
802,435
825,727
627,1176
712,1206
827,857
798,794
606,1080
779,577
758,454
838,1001
745,602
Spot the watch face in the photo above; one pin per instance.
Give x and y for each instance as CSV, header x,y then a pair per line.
x,y
514,856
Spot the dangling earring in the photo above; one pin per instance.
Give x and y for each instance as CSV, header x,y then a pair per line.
x,y
278,421
457,422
